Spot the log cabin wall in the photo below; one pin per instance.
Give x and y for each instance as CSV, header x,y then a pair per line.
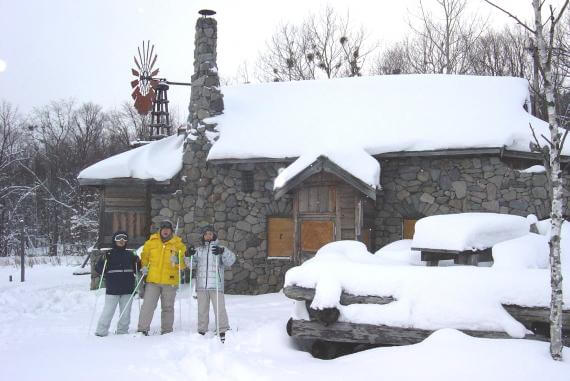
x,y
124,208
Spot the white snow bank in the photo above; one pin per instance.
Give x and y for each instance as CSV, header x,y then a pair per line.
x,y
467,231
50,327
462,297
289,119
544,227
160,160
355,161
527,252
399,253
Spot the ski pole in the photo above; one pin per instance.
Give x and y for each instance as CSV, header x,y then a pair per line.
x,y
190,294
180,286
131,297
217,298
97,296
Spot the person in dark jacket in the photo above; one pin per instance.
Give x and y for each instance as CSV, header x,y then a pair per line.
x,y
120,266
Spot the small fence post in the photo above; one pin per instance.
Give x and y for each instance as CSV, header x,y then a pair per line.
x,y
22,254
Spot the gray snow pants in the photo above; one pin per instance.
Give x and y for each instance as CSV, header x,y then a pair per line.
x,y
111,302
152,293
204,299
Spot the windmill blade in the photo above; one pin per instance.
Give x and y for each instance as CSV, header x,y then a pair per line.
x,y
150,56
135,73
134,83
137,63
153,60
135,94
141,59
153,83
154,73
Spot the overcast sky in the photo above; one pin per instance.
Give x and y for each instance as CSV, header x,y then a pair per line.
x,y
83,49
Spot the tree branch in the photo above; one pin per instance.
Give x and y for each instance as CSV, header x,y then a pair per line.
x,y
510,15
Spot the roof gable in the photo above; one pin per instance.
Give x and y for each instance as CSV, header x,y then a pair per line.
x,y
323,164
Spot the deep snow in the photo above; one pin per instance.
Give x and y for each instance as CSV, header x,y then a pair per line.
x,y
43,331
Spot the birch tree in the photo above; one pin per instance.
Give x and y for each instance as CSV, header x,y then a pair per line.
x,y
545,44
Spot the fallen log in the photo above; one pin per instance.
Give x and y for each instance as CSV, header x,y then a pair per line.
x,y
535,314
303,293
378,334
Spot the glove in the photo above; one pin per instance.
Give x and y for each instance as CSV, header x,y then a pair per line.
x,y
191,251
144,270
217,250
174,259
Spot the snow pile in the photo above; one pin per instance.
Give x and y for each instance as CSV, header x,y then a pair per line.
x,y
355,161
160,160
399,253
544,229
527,252
534,169
462,297
289,119
51,342
467,231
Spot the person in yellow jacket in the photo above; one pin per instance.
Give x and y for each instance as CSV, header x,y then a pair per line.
x,y
161,264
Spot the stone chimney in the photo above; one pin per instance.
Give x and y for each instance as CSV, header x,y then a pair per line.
x,y
206,99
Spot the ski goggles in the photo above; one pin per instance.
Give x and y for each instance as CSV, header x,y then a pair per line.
x,y
121,237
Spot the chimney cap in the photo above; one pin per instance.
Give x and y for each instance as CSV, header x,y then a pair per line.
x,y
206,12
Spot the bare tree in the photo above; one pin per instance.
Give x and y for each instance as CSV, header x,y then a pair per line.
x,y
393,60
444,38
545,43
324,45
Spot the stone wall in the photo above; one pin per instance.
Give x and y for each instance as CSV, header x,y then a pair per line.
x,y
212,194
418,187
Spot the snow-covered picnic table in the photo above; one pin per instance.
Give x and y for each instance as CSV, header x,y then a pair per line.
x,y
346,294
467,238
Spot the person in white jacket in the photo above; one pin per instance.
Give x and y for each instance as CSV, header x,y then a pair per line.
x,y
210,260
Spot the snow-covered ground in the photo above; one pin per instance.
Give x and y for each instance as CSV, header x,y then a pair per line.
x,y
44,334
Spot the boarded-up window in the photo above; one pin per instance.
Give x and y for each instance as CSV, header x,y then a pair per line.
x,y
316,234
408,228
280,239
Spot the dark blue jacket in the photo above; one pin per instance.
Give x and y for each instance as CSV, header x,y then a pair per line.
x,y
120,270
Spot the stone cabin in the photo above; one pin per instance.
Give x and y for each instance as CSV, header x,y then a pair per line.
x,y
281,169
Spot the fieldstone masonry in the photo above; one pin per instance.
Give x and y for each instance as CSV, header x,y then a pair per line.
x,y
419,187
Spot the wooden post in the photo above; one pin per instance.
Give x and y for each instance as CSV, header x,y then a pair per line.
x,y
22,254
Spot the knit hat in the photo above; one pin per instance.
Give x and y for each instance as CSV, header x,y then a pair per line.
x,y
209,228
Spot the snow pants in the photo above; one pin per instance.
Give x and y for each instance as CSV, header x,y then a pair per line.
x,y
167,295
111,302
204,299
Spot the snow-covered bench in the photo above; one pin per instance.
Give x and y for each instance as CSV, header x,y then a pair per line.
x,y
466,238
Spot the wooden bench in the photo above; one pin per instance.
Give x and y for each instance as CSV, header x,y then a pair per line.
x,y
327,332
466,257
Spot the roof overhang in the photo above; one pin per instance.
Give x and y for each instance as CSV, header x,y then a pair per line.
x,y
120,181
323,164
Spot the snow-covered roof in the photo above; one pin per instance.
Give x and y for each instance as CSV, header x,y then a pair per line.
x,y
380,114
160,160
354,162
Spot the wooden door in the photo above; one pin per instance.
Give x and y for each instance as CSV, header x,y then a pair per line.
x,y
280,238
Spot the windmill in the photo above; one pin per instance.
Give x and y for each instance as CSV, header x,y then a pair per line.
x,y
150,93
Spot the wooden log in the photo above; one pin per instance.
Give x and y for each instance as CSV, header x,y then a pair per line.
x,y
535,314
303,293
376,334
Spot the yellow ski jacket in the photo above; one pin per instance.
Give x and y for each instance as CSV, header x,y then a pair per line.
x,y
157,256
